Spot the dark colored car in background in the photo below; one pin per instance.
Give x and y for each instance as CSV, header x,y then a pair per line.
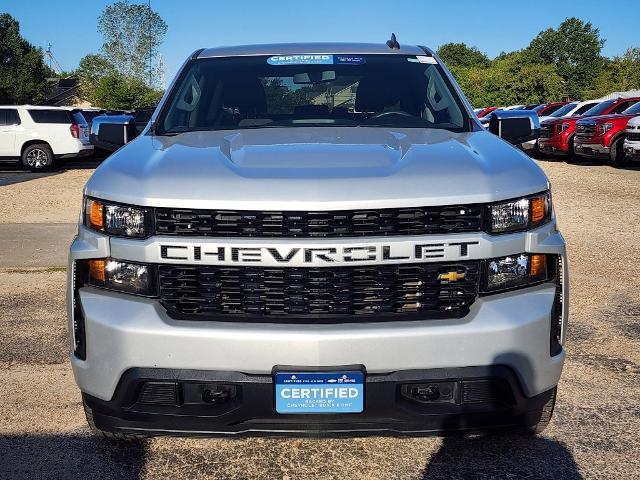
x,y
547,109
114,129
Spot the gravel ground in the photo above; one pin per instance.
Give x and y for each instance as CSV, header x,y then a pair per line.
x,y
594,433
47,198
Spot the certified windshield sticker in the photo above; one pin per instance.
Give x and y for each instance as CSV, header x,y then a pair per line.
x,y
315,59
300,60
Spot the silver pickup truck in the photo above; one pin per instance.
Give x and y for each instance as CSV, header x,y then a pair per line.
x,y
318,239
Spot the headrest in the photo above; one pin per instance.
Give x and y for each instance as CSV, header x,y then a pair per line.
x,y
375,93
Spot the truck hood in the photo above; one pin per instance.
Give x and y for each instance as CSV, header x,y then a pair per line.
x,y
315,168
571,119
634,122
612,117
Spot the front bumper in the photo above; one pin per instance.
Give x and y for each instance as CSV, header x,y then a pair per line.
x,y
632,150
485,398
125,333
553,146
83,151
593,150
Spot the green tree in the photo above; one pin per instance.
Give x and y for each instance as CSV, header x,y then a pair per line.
x,y
23,73
91,69
574,49
460,55
119,93
620,73
132,34
510,80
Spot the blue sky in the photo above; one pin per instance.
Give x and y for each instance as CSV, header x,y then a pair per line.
x,y
492,26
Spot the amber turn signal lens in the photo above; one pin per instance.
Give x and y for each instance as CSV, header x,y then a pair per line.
x,y
538,209
96,215
97,270
538,266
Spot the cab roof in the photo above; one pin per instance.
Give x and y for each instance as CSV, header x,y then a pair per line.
x,y
310,48
40,107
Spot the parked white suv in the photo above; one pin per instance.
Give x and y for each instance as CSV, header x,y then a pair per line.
x,y
38,136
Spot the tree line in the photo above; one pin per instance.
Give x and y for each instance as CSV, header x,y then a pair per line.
x,y
559,63
124,74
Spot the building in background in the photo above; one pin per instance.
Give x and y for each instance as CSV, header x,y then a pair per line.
x,y
66,93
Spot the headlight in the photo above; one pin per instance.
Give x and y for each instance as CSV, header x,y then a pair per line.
x,y
521,214
116,219
604,128
121,276
517,271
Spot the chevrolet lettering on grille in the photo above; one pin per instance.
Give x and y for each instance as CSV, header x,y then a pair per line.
x,y
211,254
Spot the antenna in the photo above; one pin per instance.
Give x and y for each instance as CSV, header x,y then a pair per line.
x,y
393,43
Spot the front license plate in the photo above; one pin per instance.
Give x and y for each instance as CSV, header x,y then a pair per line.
x,y
319,392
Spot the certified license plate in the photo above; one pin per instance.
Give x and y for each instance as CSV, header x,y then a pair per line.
x,y
319,392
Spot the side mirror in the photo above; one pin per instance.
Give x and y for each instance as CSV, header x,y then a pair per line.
x,y
110,132
515,126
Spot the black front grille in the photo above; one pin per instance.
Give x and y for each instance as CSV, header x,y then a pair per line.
x,y
586,131
634,137
333,294
345,223
546,131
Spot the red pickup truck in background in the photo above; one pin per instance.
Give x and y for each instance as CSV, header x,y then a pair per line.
x,y
546,109
603,136
557,136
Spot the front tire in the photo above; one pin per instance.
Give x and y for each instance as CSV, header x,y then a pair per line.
x,y
38,157
617,153
545,415
571,154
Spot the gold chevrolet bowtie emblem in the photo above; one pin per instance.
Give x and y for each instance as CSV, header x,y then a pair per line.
x,y
451,276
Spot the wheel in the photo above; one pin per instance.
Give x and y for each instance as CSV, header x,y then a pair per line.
x,y
38,157
545,416
617,153
117,437
571,154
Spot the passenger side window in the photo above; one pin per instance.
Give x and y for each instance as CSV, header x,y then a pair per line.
x,y
9,117
622,106
584,108
51,116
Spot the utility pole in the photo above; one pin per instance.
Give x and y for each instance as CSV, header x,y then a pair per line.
x,y
150,45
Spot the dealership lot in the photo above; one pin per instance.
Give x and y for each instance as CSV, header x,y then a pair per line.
x,y
43,433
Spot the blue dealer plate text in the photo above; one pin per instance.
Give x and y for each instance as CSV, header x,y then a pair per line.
x,y
319,392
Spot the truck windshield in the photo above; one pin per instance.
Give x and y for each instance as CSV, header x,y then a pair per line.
x,y
633,109
312,90
599,108
562,111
